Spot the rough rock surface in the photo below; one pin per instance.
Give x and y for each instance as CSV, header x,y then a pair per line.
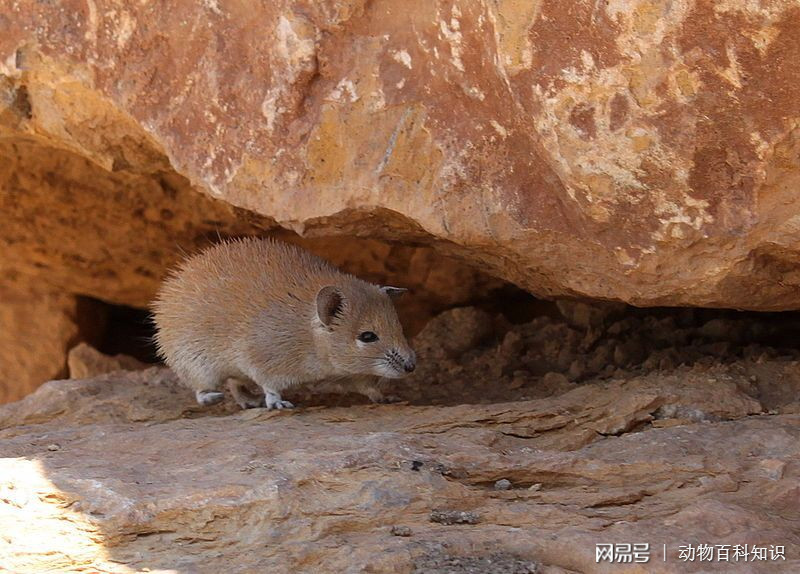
x,y
113,235
470,355
639,151
124,472
37,327
86,362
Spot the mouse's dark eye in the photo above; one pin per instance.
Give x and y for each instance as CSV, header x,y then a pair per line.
x,y
367,337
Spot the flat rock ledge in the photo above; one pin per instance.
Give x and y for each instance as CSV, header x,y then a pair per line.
x,y
123,473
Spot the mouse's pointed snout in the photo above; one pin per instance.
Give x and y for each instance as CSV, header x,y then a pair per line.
x,y
410,362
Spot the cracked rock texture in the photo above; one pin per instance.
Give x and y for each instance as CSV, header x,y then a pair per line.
x,y
124,473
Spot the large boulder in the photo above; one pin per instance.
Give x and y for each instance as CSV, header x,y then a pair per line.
x,y
636,151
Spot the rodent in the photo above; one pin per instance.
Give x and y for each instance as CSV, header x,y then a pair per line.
x,y
270,313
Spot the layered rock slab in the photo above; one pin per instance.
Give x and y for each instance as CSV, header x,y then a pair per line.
x,y
124,472
635,151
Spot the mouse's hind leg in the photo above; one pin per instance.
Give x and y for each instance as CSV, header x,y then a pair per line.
x,y
246,393
208,398
207,387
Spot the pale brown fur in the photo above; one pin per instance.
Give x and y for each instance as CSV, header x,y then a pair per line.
x,y
264,311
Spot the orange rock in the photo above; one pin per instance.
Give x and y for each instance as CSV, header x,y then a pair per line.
x,y
36,329
614,151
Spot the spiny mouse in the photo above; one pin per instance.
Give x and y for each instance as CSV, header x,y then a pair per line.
x,y
273,314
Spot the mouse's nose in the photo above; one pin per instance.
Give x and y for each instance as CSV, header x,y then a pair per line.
x,y
409,366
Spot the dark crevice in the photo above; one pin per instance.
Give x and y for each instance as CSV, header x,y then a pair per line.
x,y
22,103
118,329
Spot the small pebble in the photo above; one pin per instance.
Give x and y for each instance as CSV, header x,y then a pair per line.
x,y
535,487
400,531
502,484
450,517
53,447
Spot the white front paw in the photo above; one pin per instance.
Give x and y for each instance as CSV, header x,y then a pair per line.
x,y
274,401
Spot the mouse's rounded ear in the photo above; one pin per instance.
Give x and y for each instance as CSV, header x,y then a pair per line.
x,y
393,291
330,305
